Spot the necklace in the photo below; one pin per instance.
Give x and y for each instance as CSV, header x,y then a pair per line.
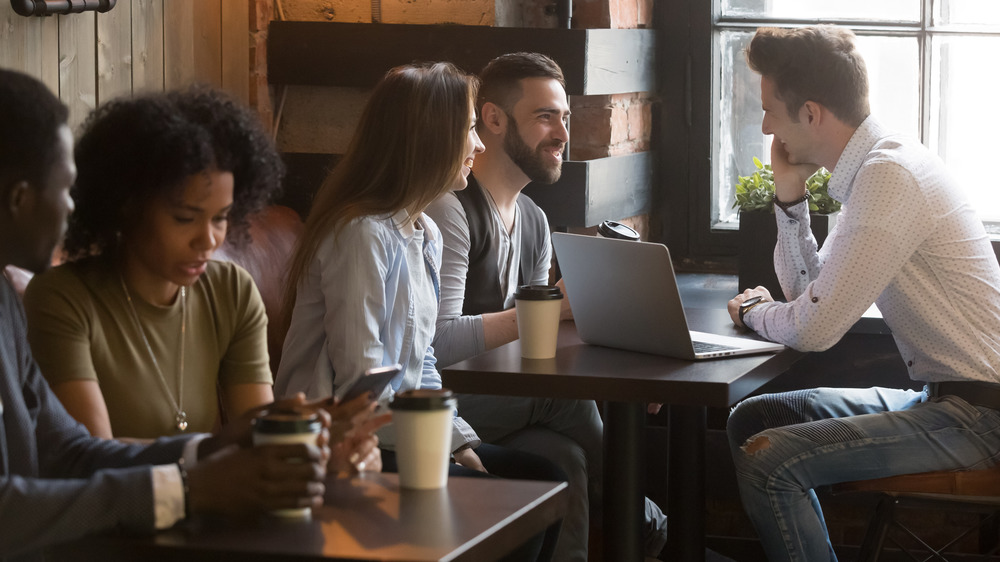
x,y
180,418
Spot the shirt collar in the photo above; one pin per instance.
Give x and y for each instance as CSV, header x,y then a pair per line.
x,y
864,138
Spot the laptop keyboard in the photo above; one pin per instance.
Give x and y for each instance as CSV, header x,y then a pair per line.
x,y
705,347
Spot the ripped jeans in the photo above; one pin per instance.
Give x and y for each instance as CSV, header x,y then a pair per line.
x,y
785,445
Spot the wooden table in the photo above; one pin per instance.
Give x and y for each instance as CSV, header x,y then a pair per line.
x,y
365,518
626,381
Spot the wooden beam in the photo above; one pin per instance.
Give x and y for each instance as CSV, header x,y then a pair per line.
x,y
588,192
592,191
595,61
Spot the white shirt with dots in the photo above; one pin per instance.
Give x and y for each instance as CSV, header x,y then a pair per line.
x,y
907,240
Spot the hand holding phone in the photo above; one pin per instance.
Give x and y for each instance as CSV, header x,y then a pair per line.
x,y
372,382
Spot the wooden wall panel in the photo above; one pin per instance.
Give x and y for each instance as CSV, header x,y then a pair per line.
x,y
114,53
140,45
147,45
207,40
235,48
78,65
30,45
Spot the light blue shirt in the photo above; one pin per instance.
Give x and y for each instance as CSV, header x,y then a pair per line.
x,y
359,306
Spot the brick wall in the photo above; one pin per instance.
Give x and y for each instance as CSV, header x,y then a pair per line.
x,y
322,120
619,123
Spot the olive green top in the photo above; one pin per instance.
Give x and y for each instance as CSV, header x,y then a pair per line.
x,y
80,327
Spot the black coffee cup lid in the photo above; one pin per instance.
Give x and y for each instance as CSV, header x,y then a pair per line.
x,y
285,422
614,229
538,293
423,399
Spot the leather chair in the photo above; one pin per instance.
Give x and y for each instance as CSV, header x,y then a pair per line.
x,y
274,232
969,491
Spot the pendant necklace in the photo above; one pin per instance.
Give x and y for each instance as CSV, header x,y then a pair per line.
x,y
180,418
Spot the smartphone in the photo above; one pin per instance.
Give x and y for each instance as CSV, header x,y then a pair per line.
x,y
373,382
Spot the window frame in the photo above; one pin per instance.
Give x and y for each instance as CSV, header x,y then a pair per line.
x,y
689,89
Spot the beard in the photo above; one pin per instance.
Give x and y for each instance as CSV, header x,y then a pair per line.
x,y
534,163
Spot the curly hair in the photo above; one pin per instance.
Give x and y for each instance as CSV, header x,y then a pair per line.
x,y
135,150
29,137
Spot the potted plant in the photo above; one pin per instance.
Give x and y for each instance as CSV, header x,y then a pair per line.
x,y
758,231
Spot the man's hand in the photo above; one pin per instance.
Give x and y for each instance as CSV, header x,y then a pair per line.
x,y
246,481
469,459
789,179
734,304
565,313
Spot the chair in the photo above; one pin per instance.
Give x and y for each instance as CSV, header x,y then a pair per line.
x,y
274,233
969,491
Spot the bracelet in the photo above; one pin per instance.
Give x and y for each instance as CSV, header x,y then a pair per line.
x,y
785,206
185,488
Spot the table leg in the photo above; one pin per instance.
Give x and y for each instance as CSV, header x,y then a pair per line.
x,y
624,425
686,487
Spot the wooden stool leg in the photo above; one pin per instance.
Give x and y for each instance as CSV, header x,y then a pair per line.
x,y
871,548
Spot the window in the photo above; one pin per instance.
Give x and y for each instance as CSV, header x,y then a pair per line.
x,y
930,66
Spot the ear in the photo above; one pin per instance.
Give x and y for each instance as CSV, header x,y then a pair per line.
x,y
812,113
493,118
20,198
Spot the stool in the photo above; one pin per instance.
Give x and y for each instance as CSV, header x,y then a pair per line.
x,y
970,491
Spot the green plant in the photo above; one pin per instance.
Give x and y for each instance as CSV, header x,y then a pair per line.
x,y
756,192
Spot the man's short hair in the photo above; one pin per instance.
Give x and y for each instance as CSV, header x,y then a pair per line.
x,y
500,80
30,119
819,63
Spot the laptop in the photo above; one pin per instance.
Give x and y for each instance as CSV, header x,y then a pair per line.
x,y
624,295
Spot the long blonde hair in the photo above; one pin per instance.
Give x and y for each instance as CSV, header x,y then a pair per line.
x,y
407,150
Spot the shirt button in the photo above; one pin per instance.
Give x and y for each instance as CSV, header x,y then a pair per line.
x,y
909,363
803,272
815,299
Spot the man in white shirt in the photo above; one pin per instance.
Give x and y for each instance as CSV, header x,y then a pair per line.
x,y
495,238
907,240
57,482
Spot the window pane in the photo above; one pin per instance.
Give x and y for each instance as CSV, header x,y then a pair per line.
x,y
963,128
970,12
819,10
893,70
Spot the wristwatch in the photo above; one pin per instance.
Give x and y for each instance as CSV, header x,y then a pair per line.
x,y
746,305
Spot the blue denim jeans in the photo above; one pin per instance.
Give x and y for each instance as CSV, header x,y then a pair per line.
x,y
785,445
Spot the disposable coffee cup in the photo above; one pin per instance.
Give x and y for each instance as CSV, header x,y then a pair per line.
x,y
617,230
287,428
538,309
422,419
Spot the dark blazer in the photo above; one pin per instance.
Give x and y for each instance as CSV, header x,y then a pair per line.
x,y
56,481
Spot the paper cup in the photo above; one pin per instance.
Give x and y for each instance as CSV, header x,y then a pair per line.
x,y
422,419
538,310
287,428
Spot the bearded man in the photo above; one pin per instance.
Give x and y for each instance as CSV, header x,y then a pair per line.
x,y
495,238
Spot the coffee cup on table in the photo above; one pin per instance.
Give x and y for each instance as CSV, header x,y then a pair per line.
x,y
281,427
422,419
538,309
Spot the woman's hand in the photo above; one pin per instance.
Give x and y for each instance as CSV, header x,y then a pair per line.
x,y
354,445
469,459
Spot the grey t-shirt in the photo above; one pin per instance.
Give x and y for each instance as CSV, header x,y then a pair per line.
x,y
459,337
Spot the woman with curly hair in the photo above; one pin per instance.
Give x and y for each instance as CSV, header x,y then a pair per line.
x,y
141,334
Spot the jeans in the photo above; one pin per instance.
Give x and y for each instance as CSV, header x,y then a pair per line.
x,y
785,445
